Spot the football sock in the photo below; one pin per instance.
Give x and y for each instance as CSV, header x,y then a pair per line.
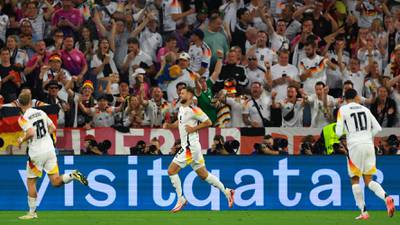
x,y
67,178
213,180
32,204
358,196
377,189
176,183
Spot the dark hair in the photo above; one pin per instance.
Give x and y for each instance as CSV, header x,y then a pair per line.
x,y
348,82
4,49
240,12
268,136
189,89
283,51
170,38
180,84
350,94
69,36
132,40
320,83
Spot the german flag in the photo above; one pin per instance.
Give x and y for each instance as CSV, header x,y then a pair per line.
x,y
9,127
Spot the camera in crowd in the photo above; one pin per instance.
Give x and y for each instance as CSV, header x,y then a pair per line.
x,y
141,148
272,146
222,147
388,146
92,147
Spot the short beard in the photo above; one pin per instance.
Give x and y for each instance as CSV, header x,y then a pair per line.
x,y
183,101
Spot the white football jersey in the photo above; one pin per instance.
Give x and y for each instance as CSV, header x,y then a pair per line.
x,y
358,123
192,116
38,120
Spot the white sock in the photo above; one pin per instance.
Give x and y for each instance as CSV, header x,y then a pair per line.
x,y
176,183
32,204
213,180
67,178
377,189
358,196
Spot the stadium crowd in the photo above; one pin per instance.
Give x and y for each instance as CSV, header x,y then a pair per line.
x,y
252,63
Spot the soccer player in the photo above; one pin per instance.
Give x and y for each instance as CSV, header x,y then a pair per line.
x,y
360,126
191,119
38,128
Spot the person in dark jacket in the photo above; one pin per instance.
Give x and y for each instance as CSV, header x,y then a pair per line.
x,y
232,71
239,34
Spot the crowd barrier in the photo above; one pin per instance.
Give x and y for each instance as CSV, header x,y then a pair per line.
x,y
141,183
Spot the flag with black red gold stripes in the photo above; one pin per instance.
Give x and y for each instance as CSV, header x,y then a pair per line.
x,y
9,127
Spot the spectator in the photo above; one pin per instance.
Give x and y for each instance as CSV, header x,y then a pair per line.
x,y
354,74
298,43
239,34
134,113
181,35
313,68
68,18
257,112
81,105
334,76
371,51
263,52
86,43
323,24
19,58
157,110
136,58
73,60
103,63
25,43
373,81
321,104
255,73
58,37
52,98
53,71
229,10
283,74
37,18
171,15
231,71
103,114
292,107
215,38
200,54
170,46
204,87
150,40
33,66
393,68
10,79
279,40
121,99
384,108
185,76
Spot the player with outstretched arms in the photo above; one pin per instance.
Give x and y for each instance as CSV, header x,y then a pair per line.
x,y
360,127
191,119
38,128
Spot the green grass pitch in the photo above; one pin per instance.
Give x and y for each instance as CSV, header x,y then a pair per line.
x,y
198,218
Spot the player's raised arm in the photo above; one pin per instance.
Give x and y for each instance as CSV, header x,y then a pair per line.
x,y
375,126
339,124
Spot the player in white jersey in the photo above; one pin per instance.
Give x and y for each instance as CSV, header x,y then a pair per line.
x,y
38,128
360,126
191,119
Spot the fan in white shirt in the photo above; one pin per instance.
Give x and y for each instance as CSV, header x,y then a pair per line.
x,y
292,107
283,74
322,106
313,68
255,73
263,52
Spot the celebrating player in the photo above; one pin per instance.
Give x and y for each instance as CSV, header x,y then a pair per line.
x,y
360,126
38,129
191,119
